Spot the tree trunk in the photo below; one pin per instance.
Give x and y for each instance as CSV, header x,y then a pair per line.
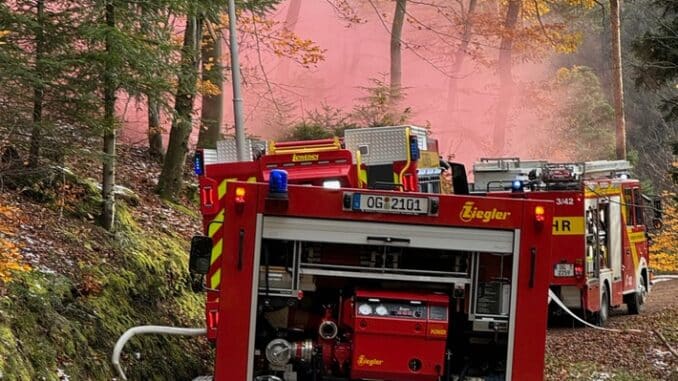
x,y
108,183
171,177
396,43
38,89
617,80
155,148
506,85
154,129
458,61
212,114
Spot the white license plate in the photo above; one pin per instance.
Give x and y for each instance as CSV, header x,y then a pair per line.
x,y
564,269
390,204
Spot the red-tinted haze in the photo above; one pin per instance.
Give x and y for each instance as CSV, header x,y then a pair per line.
x,y
357,53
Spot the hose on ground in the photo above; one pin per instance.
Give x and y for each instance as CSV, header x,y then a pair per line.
x,y
146,329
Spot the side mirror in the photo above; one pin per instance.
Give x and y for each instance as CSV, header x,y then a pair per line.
x,y
201,252
459,179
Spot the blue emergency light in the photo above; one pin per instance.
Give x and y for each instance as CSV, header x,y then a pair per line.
x,y
414,149
198,163
517,186
277,183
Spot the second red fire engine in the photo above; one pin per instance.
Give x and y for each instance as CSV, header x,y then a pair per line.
x,y
601,254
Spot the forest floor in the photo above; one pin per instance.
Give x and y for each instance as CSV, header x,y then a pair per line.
x,y
579,353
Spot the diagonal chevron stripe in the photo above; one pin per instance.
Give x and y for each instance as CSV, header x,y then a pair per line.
x,y
216,279
216,250
216,224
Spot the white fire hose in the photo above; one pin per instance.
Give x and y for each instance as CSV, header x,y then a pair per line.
x,y
144,329
555,299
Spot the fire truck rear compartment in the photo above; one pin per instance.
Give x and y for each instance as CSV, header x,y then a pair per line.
x,y
381,310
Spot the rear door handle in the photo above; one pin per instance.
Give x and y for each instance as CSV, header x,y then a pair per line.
x,y
533,265
241,239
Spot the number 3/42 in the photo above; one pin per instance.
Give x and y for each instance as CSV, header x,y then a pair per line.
x,y
565,201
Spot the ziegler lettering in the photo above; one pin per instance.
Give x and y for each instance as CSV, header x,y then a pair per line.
x,y
470,212
305,157
364,361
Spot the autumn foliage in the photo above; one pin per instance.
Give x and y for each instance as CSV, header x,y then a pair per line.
x,y
10,256
664,250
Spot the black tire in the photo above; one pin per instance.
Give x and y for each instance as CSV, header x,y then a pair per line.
x,y
637,299
604,312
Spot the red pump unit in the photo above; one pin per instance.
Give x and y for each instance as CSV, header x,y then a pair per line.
x,y
412,325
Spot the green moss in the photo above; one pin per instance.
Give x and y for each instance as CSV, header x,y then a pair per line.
x,y
45,325
182,209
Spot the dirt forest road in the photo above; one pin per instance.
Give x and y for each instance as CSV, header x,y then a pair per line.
x,y
594,355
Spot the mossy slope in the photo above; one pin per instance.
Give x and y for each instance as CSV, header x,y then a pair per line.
x,y
49,330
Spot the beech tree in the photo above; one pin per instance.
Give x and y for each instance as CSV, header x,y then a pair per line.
x,y
212,112
171,177
396,55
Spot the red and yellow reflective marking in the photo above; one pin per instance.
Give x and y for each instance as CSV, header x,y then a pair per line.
x,y
215,232
634,239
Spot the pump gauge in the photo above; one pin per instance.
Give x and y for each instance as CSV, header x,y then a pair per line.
x,y
381,310
364,309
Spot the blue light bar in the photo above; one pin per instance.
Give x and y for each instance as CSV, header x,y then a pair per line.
x,y
517,186
277,182
198,163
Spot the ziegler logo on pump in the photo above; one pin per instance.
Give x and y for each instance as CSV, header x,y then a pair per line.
x,y
305,157
364,361
470,212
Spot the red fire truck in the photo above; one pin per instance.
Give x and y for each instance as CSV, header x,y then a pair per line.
x,y
311,283
354,272
600,256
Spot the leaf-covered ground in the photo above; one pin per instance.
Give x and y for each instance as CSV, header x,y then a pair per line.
x,y
593,355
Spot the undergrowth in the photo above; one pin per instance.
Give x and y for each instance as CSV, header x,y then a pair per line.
x,y
50,328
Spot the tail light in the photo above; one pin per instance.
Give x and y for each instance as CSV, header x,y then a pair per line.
x,y
539,214
207,196
240,195
578,268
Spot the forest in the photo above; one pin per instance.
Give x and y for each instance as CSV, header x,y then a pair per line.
x,y
103,102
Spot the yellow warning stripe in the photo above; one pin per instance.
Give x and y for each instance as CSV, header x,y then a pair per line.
x,y
216,223
568,225
612,190
215,226
216,279
223,186
216,250
634,238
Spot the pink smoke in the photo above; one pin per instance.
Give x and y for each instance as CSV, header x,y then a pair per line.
x,y
357,53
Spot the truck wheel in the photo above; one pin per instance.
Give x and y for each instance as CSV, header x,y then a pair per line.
x,y
637,299
604,312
